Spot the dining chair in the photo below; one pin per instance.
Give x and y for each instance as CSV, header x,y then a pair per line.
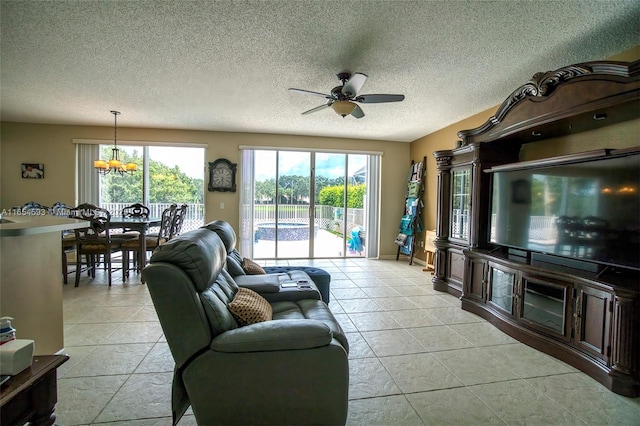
x,y
151,240
68,237
136,210
34,208
94,240
178,220
60,209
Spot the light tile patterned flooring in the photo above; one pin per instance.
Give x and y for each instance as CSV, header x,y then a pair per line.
x,y
416,358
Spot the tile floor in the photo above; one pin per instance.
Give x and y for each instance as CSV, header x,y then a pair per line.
x,y
416,359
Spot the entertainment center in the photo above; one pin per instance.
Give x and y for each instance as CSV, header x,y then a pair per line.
x,y
548,249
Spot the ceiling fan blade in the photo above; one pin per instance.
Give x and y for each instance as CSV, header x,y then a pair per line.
x,y
376,99
318,108
308,92
354,84
357,112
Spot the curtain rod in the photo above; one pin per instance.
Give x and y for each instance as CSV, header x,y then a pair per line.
x,y
140,143
306,149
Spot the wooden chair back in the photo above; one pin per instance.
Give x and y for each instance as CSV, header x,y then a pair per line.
x,y
178,220
136,210
166,223
60,209
34,208
98,219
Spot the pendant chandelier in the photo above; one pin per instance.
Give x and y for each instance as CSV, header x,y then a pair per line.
x,y
114,165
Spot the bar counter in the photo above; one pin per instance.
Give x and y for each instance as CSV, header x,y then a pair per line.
x,y
31,277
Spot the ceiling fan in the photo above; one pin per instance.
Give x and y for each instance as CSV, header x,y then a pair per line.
x,y
343,98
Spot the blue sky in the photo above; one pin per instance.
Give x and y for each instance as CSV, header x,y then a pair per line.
x,y
297,163
291,162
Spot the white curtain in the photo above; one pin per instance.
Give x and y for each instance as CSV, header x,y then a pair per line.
x,y
88,181
372,207
247,159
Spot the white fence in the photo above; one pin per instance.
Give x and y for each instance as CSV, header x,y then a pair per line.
x,y
542,229
460,223
326,217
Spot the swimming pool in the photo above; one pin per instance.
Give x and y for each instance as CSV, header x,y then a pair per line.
x,y
287,231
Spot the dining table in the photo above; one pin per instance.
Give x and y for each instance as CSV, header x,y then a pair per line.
x,y
140,224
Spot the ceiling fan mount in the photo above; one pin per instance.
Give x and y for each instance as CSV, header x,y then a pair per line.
x,y
343,98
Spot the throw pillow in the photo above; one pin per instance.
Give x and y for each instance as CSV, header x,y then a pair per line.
x,y
248,307
251,267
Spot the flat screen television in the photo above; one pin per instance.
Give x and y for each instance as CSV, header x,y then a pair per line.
x,y
587,210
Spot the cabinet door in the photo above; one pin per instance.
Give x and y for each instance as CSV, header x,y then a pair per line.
x,y
460,203
475,280
455,270
501,288
592,316
545,306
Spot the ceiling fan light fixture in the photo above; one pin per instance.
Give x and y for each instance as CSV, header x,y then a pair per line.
x,y
343,108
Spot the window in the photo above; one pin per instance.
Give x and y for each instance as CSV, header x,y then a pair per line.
x,y
166,175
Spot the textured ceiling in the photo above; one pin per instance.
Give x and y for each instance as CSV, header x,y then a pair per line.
x,y
227,65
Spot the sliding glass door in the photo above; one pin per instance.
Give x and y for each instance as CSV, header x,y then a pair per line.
x,y
339,204
305,204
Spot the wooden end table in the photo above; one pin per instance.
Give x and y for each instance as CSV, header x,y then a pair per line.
x,y
31,395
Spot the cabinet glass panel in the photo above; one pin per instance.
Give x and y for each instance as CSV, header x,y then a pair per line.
x,y
544,304
460,200
502,289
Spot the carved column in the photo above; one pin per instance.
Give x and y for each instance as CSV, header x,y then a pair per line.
x,y
442,222
474,208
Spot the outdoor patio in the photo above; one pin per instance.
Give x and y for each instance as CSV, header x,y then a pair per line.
x,y
327,245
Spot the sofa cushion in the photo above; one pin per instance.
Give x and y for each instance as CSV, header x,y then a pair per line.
x,y
259,283
225,232
234,265
310,309
199,253
282,335
248,307
320,277
251,267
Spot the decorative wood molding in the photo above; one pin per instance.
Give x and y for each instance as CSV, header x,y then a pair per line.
x,y
444,161
543,84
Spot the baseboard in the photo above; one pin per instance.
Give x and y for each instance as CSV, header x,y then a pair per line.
x,y
393,257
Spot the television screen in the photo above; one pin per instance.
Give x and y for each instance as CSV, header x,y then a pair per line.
x,y
588,211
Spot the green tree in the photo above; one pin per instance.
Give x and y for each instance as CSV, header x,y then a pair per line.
x,y
168,184
265,191
334,196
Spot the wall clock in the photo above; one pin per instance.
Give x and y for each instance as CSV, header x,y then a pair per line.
x,y
222,175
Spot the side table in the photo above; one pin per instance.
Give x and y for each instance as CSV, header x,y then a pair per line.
x,y
31,396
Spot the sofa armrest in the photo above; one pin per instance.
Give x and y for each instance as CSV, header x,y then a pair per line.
x,y
259,283
274,335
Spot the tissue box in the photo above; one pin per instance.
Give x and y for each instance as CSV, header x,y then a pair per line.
x,y
16,356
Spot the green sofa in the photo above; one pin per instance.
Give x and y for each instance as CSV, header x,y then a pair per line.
x,y
291,369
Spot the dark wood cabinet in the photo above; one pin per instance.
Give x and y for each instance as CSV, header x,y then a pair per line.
x,y
502,292
587,317
462,223
592,321
584,320
475,285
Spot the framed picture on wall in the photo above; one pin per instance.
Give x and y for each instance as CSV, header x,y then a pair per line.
x,y
32,171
